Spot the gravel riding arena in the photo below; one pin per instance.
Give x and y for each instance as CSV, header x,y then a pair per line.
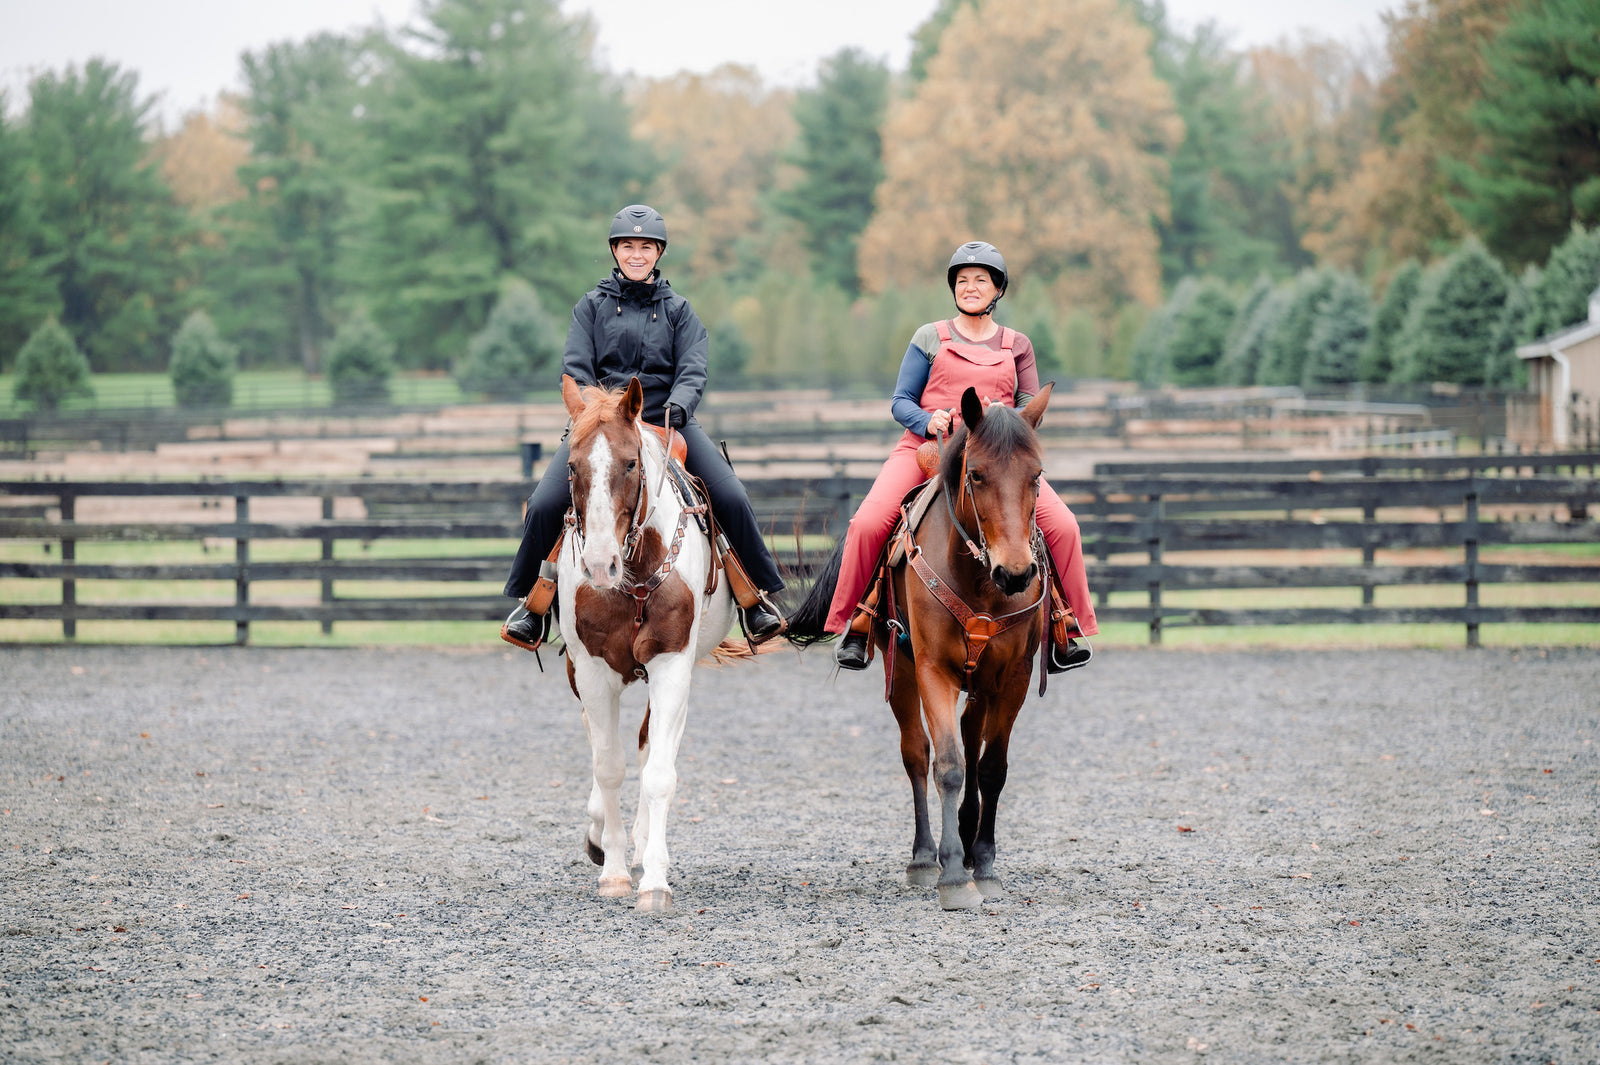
x,y
251,855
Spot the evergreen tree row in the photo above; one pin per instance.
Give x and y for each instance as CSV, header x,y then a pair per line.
x,y
1459,320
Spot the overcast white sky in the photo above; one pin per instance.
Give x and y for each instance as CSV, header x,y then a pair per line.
x,y
187,50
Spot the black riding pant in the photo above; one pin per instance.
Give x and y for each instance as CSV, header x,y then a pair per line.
x,y
729,503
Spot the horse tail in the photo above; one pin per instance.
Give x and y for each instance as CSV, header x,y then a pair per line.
x,y
807,623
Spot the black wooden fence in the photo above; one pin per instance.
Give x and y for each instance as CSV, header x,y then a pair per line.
x,y
1152,531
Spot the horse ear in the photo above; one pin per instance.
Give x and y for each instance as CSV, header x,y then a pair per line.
x,y
570,395
633,400
1033,413
971,409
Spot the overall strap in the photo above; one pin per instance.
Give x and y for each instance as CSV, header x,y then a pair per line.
x,y
944,330
1008,338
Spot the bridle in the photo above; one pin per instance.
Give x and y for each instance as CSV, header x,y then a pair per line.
x,y
978,628
643,508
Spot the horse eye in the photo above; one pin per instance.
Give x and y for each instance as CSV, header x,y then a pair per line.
x,y
977,478
633,464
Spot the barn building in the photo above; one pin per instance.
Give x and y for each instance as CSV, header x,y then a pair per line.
x,y
1563,410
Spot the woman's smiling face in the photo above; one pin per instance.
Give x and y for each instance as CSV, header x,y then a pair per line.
x,y
636,257
974,289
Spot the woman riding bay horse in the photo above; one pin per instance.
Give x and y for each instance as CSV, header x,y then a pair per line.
x,y
633,325
944,359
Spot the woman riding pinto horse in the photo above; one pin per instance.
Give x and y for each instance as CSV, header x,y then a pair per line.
x,y
633,325
943,360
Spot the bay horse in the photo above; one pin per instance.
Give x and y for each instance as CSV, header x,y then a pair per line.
x,y
639,599
973,587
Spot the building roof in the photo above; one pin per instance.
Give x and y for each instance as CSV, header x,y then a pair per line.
x,y
1563,339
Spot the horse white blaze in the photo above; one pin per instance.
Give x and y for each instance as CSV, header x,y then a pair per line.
x,y
602,555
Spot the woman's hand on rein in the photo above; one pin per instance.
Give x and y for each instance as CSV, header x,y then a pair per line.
x,y
938,422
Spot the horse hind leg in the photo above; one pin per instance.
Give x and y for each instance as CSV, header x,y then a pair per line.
x,y
923,869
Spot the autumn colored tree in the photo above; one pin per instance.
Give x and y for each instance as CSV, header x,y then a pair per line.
x,y
719,138
1043,128
107,224
1537,173
1376,364
1322,99
925,38
840,157
1396,204
200,162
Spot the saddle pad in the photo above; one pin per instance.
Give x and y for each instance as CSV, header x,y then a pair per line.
x,y
680,447
915,504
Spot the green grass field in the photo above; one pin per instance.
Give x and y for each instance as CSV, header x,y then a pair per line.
x,y
252,390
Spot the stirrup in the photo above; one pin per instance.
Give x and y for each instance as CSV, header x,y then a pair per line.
x,y
525,629
1068,656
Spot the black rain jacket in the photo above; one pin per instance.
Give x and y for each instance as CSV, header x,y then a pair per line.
x,y
622,329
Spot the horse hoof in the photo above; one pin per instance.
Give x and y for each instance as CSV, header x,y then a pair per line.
x,y
990,889
596,855
959,896
922,875
615,887
657,900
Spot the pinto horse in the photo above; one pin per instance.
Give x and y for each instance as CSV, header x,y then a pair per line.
x,y
974,594
640,599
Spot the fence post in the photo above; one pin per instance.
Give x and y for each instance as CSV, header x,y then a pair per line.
x,y
1469,538
241,583
1153,543
69,553
327,556
1102,546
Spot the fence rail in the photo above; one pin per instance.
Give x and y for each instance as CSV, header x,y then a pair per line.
x,y
1148,531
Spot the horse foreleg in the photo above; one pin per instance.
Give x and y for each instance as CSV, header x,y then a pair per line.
x,y
972,717
605,831
940,694
923,870
658,777
991,779
640,820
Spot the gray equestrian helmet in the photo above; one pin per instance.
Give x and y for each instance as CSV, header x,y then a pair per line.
x,y
638,220
978,253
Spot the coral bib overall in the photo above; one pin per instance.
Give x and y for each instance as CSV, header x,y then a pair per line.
x,y
958,365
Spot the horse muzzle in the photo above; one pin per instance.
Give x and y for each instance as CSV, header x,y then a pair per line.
x,y
1014,582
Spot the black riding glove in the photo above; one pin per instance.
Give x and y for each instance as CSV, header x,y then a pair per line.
x,y
677,417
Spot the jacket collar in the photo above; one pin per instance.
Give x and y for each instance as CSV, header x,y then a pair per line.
x,y
619,288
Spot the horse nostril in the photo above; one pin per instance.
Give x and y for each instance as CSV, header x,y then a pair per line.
x,y
1033,571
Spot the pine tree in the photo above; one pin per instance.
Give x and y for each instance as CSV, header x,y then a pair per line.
x,y
1339,334
840,154
1200,332
1560,296
1083,352
513,352
1284,358
1045,356
202,365
1246,347
1152,351
50,368
110,228
494,147
27,291
274,281
360,361
1376,364
1502,368
1451,327
1538,173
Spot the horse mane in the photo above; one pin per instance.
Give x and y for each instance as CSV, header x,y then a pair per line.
x,y
1001,431
599,404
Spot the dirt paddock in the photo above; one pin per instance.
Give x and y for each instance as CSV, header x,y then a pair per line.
x,y
251,855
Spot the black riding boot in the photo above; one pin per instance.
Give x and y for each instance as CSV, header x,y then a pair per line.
x,y
1069,655
852,651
